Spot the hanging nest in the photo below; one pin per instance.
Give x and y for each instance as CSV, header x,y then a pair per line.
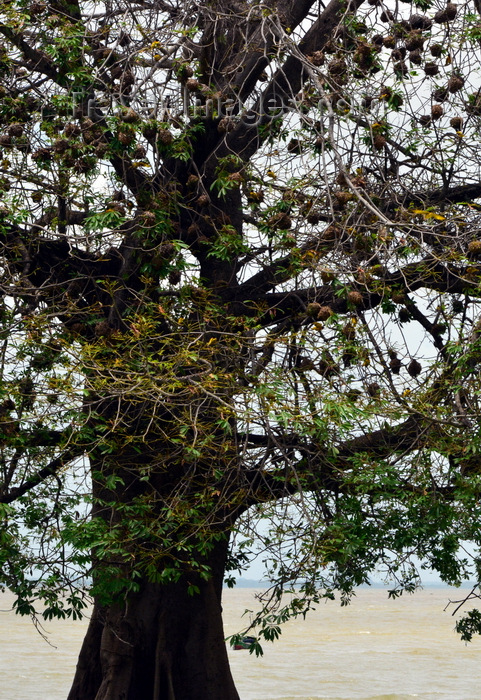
x,y
15,130
431,68
379,142
337,67
363,56
127,80
149,129
455,83
342,198
313,308
84,165
416,57
235,177
327,276
72,130
125,136
148,218
398,54
166,250
280,221
348,331
165,136
441,94
61,145
373,389
395,365
332,233
185,71
354,297
451,11
130,116
414,41
327,367
294,146
398,297
101,149
36,8
447,15
317,58
225,125
42,155
313,217
473,104
325,312
203,200
474,248
103,329
175,276
404,316
401,28
192,180
414,368
192,84
420,22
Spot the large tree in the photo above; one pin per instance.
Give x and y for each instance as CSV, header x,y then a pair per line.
x,y
240,295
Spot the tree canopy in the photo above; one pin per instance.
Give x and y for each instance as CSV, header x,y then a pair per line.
x,y
240,274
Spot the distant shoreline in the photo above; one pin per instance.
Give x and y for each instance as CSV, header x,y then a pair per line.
x,y
253,583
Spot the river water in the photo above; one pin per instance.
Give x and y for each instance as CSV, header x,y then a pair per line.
x,y
374,649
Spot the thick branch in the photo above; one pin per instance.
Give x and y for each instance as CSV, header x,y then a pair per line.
x,y
252,55
35,60
52,468
247,138
319,468
429,273
450,195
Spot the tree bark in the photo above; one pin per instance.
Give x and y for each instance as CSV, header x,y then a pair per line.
x,y
161,644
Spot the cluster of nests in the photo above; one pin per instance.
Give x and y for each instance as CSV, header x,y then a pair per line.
x,y
327,367
406,39
414,369
71,152
70,146
14,136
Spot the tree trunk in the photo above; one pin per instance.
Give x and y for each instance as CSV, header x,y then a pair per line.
x,y
161,644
